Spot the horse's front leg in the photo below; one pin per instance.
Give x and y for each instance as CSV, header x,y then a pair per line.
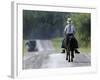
x,y
67,54
72,55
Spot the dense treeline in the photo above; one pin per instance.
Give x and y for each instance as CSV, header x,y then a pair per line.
x,y
44,25
82,21
40,24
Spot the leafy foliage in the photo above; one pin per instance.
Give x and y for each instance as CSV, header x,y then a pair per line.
x,y
82,21
43,24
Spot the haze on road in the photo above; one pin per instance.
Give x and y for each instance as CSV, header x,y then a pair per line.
x,y
48,58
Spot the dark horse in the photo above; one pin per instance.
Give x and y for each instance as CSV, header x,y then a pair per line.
x,y
70,47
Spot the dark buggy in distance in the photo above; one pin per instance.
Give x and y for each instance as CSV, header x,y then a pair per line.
x,y
32,45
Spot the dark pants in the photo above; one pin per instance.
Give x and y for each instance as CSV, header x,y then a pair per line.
x,y
65,43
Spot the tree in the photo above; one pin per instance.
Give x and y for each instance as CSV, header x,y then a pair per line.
x,y
82,21
43,24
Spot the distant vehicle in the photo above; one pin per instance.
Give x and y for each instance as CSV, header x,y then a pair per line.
x,y
31,45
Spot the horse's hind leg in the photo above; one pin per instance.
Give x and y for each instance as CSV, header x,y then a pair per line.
x,y
72,55
67,54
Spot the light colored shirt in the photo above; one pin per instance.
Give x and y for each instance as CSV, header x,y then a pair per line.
x,y
69,29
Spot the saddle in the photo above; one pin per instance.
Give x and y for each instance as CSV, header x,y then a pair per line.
x,y
69,41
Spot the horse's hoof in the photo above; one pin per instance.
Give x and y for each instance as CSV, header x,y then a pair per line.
x,y
72,60
66,58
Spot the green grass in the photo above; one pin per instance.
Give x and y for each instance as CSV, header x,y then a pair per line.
x,y
24,48
86,50
57,43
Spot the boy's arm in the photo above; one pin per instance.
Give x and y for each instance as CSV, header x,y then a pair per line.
x,y
65,32
74,30
65,29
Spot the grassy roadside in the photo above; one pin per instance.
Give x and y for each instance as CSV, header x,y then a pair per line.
x,y
85,50
24,48
57,42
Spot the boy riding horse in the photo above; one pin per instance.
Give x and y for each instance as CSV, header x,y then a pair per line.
x,y
69,31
